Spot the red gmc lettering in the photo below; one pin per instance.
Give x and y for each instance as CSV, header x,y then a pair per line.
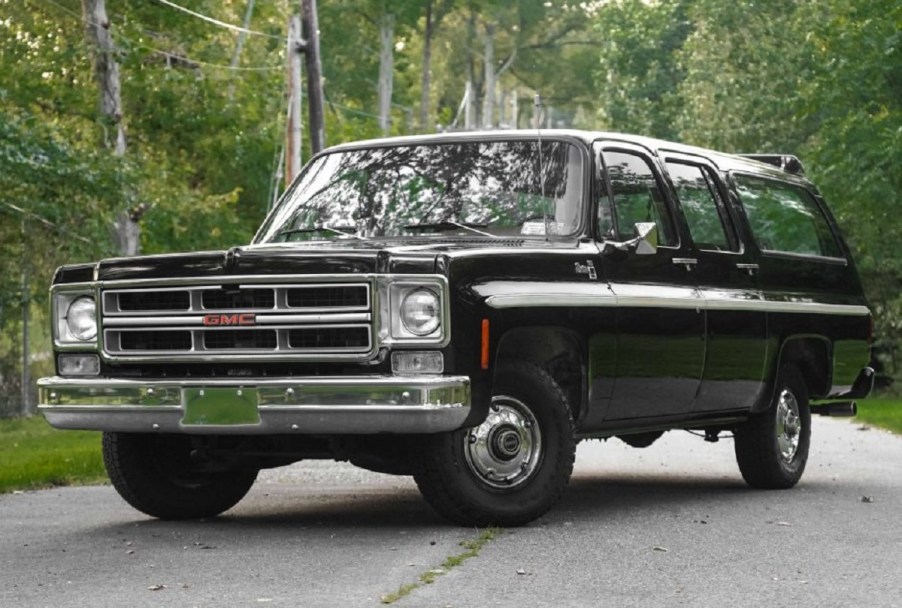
x,y
233,319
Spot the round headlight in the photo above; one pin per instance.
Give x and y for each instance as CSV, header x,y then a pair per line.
x,y
82,318
420,312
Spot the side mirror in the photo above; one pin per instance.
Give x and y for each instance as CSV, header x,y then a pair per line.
x,y
645,241
646,238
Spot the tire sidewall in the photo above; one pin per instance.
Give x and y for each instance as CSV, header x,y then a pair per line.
x,y
756,441
156,484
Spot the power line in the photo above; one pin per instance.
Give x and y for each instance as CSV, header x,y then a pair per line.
x,y
133,43
228,26
218,66
47,223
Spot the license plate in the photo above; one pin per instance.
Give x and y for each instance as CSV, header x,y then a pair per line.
x,y
220,406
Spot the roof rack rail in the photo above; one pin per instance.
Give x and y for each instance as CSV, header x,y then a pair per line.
x,y
787,162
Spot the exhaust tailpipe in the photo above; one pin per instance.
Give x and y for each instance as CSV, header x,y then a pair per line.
x,y
839,408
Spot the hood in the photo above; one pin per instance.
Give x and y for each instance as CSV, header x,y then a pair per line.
x,y
345,256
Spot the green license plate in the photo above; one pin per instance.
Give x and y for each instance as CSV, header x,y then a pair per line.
x,y
220,406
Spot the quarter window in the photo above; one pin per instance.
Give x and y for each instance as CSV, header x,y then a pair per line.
x,y
785,217
637,198
699,201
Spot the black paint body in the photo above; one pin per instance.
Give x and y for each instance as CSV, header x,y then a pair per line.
x,y
627,344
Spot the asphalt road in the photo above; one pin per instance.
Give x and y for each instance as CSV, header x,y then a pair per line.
x,y
669,525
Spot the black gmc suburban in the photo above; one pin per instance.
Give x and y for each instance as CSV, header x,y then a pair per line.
x,y
465,308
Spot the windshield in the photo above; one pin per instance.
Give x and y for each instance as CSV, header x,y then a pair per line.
x,y
492,189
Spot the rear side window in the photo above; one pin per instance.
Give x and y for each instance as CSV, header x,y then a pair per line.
x,y
785,217
637,197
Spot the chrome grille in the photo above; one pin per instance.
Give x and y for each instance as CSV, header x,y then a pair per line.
x,y
249,299
164,300
315,321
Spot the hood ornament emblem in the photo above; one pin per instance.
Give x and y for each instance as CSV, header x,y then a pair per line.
x,y
232,255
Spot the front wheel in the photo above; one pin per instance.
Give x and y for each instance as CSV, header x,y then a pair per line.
x,y
513,467
772,447
156,475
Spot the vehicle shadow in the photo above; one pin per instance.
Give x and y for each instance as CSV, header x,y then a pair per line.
x,y
280,509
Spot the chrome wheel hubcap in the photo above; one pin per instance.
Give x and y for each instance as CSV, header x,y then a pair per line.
x,y
789,426
504,451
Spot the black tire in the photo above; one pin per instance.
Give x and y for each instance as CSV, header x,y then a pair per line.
x,y
772,447
511,469
153,473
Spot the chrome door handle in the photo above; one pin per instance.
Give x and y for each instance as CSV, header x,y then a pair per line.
x,y
688,263
749,268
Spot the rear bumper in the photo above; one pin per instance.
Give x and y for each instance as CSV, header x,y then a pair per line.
x,y
319,405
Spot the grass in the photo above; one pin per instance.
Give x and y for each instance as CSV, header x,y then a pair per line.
x,y
34,455
885,412
472,546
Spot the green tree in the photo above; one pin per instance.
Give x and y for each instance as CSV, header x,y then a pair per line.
x,y
639,72
855,93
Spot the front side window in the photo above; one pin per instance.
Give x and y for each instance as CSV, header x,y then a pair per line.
x,y
637,197
699,201
501,188
785,217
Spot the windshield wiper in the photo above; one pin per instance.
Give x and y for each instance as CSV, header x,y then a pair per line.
x,y
347,231
448,225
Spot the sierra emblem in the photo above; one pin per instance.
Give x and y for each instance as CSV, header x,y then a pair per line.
x,y
233,319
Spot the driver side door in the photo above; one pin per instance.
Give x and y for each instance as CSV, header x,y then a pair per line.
x,y
660,325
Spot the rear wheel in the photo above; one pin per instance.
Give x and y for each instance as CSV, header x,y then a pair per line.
x,y
513,467
772,447
156,475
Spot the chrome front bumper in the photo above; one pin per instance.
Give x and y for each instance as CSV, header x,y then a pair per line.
x,y
259,406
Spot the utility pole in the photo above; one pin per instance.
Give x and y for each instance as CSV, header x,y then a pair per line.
x,y
314,76
293,145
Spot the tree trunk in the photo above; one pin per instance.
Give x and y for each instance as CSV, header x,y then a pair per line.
x,y
386,70
106,72
239,46
488,101
293,144
426,76
126,229
470,108
473,83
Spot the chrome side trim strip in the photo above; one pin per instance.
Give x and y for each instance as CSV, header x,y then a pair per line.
x,y
651,296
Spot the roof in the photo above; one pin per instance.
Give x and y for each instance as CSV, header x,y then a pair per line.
x,y
723,160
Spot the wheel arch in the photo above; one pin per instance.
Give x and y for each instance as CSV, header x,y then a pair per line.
x,y
811,354
558,350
